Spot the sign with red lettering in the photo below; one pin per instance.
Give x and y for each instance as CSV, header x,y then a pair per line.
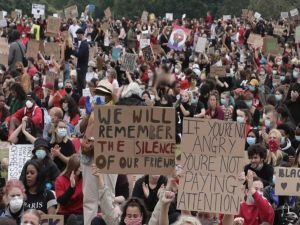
x,y
135,140
212,161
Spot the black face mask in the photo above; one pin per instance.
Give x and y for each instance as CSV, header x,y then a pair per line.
x,y
68,90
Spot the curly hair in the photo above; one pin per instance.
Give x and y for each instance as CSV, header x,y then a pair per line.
x,y
72,106
135,202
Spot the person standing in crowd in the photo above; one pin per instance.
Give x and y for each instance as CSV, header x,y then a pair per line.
x,y
82,54
17,50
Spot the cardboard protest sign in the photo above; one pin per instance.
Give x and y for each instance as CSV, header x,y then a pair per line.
x,y
38,9
294,12
297,34
148,54
201,45
116,52
178,37
271,46
71,12
135,140
212,161
53,25
52,48
4,59
278,30
47,219
4,46
144,17
107,13
255,40
33,48
18,156
245,14
226,17
284,15
287,182
13,14
157,49
128,62
169,16
219,71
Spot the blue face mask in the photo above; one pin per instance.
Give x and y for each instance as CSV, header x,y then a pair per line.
x,y
40,153
297,138
251,140
251,88
61,132
240,119
223,101
282,140
282,78
248,103
278,98
268,123
295,74
99,100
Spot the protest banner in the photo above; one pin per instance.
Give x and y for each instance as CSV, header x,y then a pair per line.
x,y
53,25
271,46
33,48
201,45
287,182
245,14
71,12
148,54
144,17
144,39
226,17
47,219
38,9
257,15
169,16
219,71
128,62
284,15
135,140
294,12
297,34
18,156
278,30
107,13
116,52
52,48
178,37
212,160
255,40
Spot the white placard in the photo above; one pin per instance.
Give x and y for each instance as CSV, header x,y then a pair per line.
x,y
201,44
3,23
169,16
294,12
183,16
38,9
257,15
86,93
284,15
226,17
18,156
4,13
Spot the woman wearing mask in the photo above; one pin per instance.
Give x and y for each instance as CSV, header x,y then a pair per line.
x,y
18,98
38,197
71,112
244,116
252,138
214,111
227,108
255,114
14,196
61,146
57,94
68,189
274,155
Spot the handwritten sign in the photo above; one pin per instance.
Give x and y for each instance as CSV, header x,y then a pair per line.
x,y
71,12
18,156
128,62
287,182
148,54
52,48
294,12
201,45
271,46
52,219
144,40
169,16
226,17
212,160
53,25
144,17
219,71
284,15
38,9
255,40
135,140
33,48
278,30
245,14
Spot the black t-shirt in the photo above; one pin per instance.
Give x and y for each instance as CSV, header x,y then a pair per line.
x,y
265,174
67,149
152,199
41,201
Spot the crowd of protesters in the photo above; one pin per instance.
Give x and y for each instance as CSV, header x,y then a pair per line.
x,y
259,89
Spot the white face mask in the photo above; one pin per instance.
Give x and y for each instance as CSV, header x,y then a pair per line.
x,y
15,204
60,85
36,78
177,71
29,104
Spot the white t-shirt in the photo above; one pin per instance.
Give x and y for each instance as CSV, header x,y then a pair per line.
x,y
72,30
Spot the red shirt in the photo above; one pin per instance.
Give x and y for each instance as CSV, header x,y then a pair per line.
x,y
57,98
75,204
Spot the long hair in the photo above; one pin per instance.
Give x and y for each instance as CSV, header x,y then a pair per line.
x,y
72,106
72,165
135,202
40,179
20,93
